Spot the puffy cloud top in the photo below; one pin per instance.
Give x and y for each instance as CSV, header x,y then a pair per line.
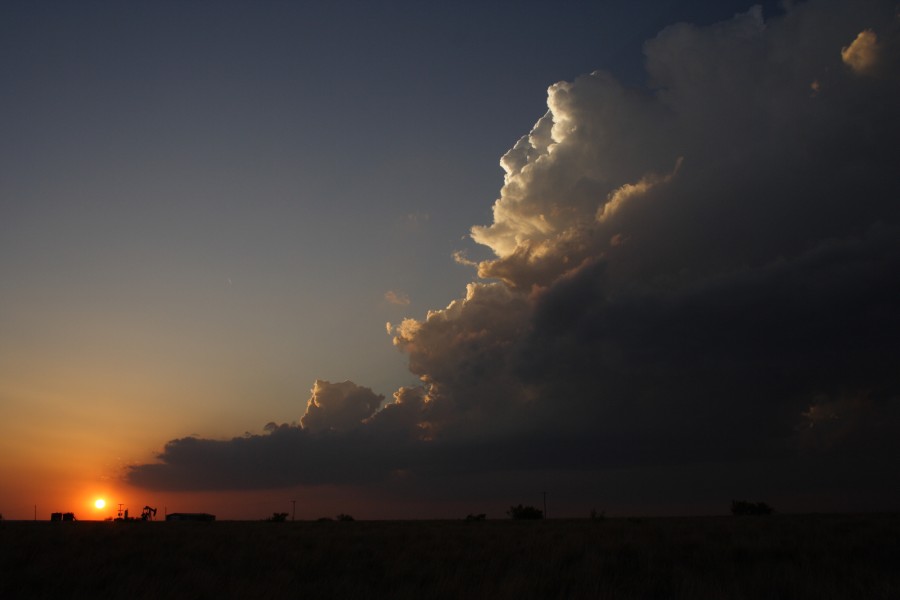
x,y
338,406
863,52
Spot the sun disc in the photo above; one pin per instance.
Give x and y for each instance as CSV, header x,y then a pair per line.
x,y
100,503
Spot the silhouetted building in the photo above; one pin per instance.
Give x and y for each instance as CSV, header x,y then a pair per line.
x,y
190,517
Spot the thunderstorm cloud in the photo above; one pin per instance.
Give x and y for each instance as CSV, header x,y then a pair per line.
x,y
705,268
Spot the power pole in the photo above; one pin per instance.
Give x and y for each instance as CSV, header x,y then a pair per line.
x,y
35,512
546,516
293,510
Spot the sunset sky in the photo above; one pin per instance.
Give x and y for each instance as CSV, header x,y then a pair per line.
x,y
255,252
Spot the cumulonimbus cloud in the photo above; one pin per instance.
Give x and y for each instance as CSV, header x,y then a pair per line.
x,y
704,267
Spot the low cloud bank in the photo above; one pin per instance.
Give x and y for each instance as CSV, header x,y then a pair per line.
x,y
705,269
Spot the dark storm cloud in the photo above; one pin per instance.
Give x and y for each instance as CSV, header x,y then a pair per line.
x,y
704,269
727,363
286,455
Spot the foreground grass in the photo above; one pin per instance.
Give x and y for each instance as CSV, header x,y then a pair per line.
x,y
819,556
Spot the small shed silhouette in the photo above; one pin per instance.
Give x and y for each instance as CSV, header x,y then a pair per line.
x,y
190,517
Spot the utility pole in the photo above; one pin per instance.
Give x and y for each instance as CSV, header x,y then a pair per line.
x,y
546,516
35,512
293,510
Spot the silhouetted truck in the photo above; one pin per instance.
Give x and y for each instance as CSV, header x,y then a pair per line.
x,y
190,517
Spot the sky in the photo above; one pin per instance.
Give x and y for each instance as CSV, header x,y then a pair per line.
x,y
403,260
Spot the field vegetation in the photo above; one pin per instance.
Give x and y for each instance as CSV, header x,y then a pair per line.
x,y
781,556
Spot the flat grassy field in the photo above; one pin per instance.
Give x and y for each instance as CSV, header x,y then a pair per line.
x,y
782,556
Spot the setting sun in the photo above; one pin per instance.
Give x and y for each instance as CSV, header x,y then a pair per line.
x,y
100,503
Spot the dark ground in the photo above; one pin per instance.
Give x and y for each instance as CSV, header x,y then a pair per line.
x,y
780,556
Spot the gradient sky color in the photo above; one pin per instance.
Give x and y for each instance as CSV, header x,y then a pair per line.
x,y
206,207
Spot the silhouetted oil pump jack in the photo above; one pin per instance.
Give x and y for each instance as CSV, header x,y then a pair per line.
x,y
148,514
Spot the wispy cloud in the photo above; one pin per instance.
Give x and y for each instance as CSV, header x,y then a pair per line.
x,y
397,298
414,221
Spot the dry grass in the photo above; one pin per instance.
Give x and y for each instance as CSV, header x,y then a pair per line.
x,y
796,557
